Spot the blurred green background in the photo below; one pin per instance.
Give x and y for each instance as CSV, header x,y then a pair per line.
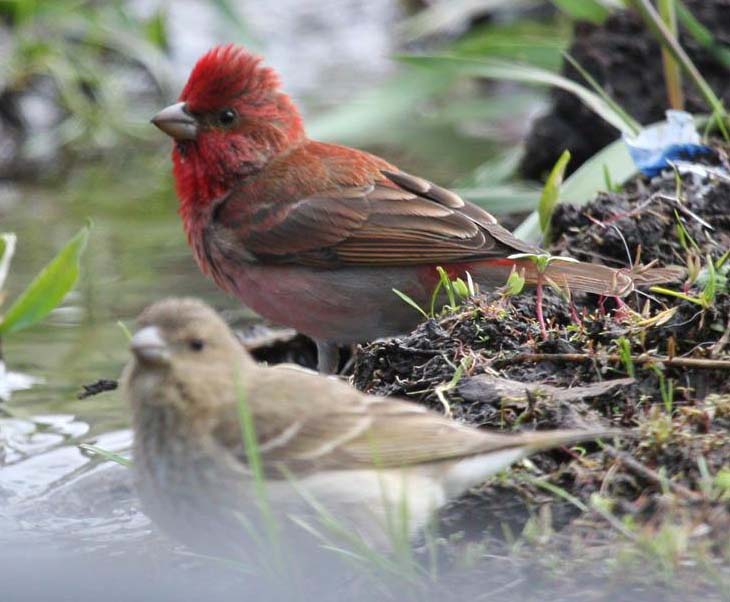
x,y
450,89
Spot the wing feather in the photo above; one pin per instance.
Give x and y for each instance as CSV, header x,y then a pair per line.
x,y
398,219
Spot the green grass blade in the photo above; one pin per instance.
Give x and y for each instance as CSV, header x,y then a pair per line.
x,y
664,35
48,288
519,72
584,10
672,72
702,35
551,194
410,302
631,123
106,454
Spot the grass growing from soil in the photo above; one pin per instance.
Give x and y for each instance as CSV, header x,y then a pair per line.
x,y
599,522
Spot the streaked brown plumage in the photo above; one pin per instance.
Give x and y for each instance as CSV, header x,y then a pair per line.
x,y
356,454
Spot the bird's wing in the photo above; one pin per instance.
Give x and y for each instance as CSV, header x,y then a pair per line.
x,y
398,220
355,432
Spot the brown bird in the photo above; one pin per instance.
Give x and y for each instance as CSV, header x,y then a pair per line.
x,y
357,455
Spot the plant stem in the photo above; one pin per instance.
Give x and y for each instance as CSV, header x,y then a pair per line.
x,y
647,473
678,362
672,74
538,309
655,23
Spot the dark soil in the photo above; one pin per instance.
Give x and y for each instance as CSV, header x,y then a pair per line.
x,y
675,482
623,57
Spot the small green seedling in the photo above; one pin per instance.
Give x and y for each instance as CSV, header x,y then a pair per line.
x,y
666,389
464,365
515,283
685,239
624,352
713,281
456,290
542,261
551,195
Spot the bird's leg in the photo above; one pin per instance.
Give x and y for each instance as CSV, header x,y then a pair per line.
x,y
328,357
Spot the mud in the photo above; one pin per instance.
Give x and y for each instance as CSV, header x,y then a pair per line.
x,y
672,399
624,59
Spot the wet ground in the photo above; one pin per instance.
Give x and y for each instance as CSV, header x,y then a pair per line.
x,y
657,366
137,252
61,502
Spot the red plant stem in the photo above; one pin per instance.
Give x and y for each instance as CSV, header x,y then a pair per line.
x,y
621,304
538,309
574,315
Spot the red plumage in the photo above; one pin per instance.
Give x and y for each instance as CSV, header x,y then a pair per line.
x,y
225,74
315,235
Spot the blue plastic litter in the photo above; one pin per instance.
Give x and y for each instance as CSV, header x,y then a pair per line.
x,y
654,147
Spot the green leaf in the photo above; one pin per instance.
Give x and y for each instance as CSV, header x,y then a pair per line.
x,y
7,250
446,284
710,290
702,35
633,126
584,10
551,193
106,454
585,183
460,288
48,288
520,72
410,302
441,16
534,42
156,29
664,35
515,283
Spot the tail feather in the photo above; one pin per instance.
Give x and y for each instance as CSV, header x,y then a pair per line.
x,y
651,276
597,279
498,455
543,440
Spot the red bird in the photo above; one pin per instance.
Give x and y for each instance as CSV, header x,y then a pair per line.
x,y
315,236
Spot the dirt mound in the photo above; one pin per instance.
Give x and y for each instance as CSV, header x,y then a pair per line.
x,y
657,365
623,57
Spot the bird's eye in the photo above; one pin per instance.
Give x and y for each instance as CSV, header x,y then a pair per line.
x,y
196,344
226,116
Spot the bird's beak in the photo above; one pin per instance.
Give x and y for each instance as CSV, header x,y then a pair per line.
x,y
148,346
176,122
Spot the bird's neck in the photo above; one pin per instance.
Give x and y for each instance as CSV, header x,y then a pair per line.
x,y
205,173
199,183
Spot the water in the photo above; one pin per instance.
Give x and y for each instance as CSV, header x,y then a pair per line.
x,y
55,498
137,253
65,513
